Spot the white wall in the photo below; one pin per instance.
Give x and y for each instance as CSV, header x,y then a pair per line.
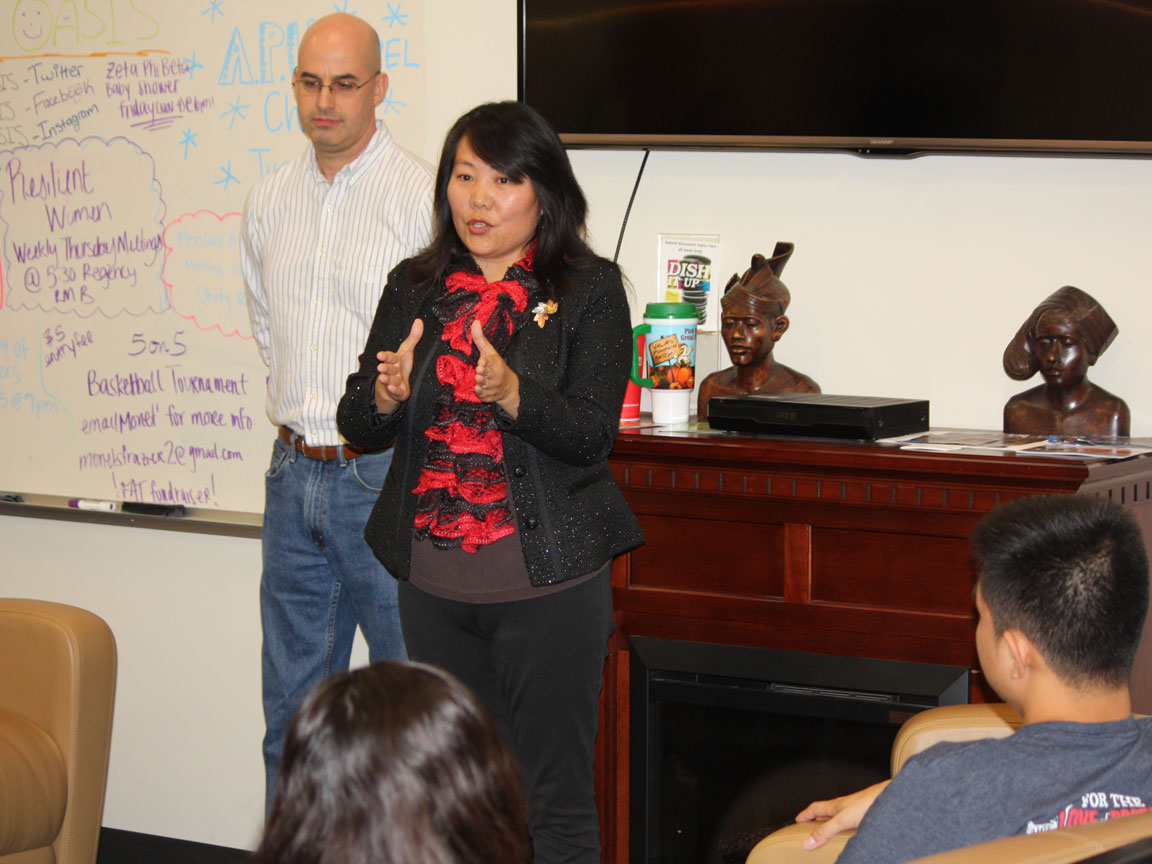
x,y
909,276
908,279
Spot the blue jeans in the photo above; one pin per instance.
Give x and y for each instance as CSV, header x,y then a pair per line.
x,y
320,580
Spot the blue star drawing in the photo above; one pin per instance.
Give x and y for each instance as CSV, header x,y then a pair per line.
x,y
395,16
392,104
229,178
193,65
213,9
189,139
235,109
343,8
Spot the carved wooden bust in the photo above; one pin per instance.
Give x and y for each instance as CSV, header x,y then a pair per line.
x,y
752,320
1062,338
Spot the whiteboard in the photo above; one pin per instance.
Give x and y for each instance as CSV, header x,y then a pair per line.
x,y
130,133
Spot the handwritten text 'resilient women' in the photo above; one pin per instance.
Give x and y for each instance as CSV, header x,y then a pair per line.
x,y
95,240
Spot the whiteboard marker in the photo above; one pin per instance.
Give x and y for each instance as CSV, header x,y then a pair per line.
x,y
91,504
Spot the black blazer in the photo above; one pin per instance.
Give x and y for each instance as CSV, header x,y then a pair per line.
x,y
573,370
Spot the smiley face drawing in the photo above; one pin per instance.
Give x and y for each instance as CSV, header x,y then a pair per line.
x,y
31,24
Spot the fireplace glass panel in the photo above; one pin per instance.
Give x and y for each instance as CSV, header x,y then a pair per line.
x,y
729,742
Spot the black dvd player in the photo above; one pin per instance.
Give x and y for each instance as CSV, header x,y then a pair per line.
x,y
819,415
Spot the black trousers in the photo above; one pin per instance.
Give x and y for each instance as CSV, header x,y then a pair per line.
x,y
537,665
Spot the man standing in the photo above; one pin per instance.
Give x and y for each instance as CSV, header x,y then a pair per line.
x,y
319,238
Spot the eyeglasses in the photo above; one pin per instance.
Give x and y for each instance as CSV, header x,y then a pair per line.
x,y
340,87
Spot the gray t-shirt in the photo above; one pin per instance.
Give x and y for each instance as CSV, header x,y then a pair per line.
x,y
1045,776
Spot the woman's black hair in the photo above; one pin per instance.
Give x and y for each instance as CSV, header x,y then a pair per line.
x,y
515,140
395,763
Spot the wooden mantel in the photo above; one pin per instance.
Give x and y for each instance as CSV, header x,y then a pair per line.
x,y
845,548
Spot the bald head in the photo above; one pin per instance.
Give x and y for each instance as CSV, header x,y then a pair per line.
x,y
355,36
339,65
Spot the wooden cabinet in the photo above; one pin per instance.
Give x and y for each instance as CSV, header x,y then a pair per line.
x,y
835,547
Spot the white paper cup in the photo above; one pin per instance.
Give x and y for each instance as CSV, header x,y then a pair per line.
x,y
671,406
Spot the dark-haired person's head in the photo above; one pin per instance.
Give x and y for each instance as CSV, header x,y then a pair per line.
x,y
395,763
1070,572
514,140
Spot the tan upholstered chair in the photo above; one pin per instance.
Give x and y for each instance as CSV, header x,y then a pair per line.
x,y
57,689
966,723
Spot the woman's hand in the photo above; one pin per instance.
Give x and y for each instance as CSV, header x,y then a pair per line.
x,y
495,382
395,368
840,814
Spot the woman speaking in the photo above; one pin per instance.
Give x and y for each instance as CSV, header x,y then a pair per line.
x,y
498,360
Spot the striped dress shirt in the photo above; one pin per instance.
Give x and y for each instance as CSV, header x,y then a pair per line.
x,y
315,258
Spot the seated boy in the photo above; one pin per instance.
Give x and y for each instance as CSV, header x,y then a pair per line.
x,y
1061,596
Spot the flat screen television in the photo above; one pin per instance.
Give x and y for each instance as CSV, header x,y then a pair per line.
x,y
870,76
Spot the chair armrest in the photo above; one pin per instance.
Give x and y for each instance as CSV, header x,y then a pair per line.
x,y
952,723
33,786
783,847
58,671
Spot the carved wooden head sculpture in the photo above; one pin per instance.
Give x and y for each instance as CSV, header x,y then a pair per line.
x,y
752,308
760,285
1072,312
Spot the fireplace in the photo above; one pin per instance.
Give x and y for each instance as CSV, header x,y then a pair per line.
x,y
730,742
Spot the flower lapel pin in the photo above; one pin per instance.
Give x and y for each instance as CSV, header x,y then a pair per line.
x,y
542,311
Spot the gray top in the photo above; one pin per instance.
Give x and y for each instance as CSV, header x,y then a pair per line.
x,y
1045,776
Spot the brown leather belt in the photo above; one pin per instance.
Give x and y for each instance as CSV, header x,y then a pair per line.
x,y
325,454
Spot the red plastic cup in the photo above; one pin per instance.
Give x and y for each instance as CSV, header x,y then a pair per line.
x,y
631,410
630,413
